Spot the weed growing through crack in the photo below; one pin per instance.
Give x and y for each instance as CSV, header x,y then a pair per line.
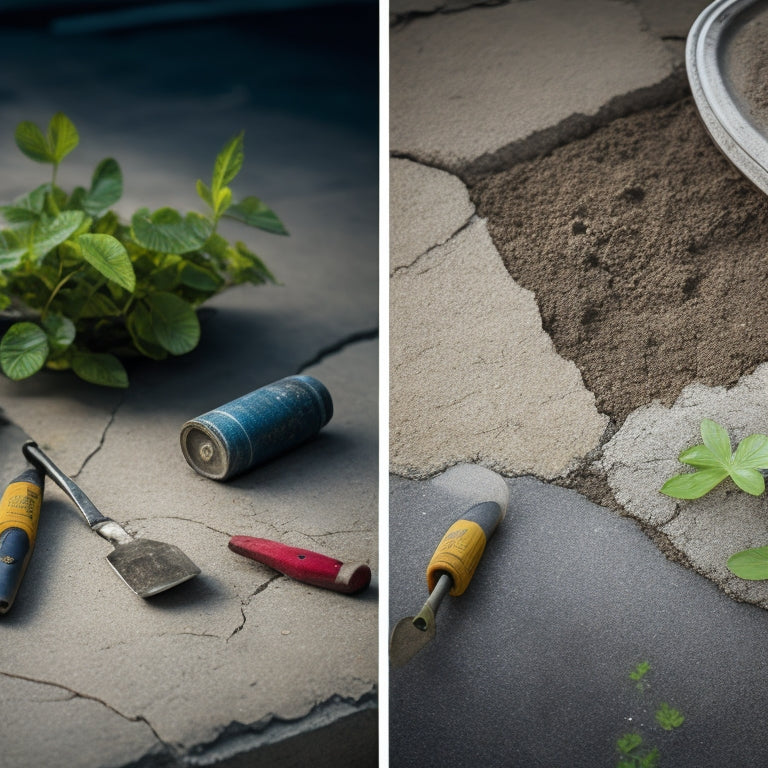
x,y
713,462
634,751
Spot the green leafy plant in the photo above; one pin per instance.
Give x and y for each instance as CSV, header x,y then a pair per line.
x,y
90,289
633,753
750,564
668,717
714,462
638,674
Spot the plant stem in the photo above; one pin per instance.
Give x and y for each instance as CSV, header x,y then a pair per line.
x,y
58,287
51,195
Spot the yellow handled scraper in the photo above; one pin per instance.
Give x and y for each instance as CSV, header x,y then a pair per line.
x,y
19,516
449,572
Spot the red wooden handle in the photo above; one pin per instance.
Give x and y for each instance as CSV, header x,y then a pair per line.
x,y
304,565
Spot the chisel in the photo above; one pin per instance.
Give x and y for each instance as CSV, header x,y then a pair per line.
x,y
304,564
449,572
19,516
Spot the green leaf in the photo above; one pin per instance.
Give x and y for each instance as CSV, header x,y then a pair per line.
x,y
23,350
699,456
33,143
108,255
693,484
139,324
223,200
12,248
253,212
749,480
204,193
716,439
100,368
228,163
60,331
28,207
46,235
106,187
62,137
629,742
99,305
166,231
669,717
199,278
174,323
649,760
752,452
750,564
640,671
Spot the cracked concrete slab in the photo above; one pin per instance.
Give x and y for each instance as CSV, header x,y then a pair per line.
x,y
467,85
427,207
473,376
642,455
240,659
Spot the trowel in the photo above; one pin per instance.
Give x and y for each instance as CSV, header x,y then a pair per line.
x,y
455,560
148,567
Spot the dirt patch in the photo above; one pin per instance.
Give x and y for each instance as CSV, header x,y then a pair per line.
x,y
647,253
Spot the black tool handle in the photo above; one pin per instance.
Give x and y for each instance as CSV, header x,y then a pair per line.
x,y
35,454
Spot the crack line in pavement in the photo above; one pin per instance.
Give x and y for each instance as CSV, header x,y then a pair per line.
x,y
100,445
247,602
407,267
78,695
401,20
338,346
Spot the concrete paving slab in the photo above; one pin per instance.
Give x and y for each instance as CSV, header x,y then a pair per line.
x,y
642,455
530,666
467,85
670,20
241,664
427,206
473,376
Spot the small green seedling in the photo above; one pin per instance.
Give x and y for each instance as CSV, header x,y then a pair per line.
x,y
714,462
638,673
668,717
90,289
633,754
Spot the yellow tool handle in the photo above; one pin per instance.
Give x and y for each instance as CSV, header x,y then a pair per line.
x,y
19,516
462,547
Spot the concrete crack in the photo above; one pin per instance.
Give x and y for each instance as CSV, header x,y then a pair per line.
x,y
73,694
338,346
408,267
400,20
247,602
100,445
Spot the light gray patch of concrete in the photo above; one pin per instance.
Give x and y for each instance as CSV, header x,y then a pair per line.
x,y
427,206
64,712
670,20
473,376
642,455
466,85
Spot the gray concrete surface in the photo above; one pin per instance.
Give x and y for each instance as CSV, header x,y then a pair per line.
x,y
530,666
240,665
473,376
466,85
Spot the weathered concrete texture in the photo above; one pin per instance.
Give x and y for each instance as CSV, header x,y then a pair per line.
x,y
530,666
670,20
643,455
473,377
462,84
427,206
402,10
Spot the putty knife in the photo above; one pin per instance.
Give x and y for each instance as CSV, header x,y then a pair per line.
x,y
454,562
148,567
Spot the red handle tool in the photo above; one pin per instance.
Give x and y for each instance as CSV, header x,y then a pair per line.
x,y
304,565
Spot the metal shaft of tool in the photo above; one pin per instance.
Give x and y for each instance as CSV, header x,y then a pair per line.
x,y
427,614
104,526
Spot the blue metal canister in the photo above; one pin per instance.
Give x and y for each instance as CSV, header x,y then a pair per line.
x,y
256,427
